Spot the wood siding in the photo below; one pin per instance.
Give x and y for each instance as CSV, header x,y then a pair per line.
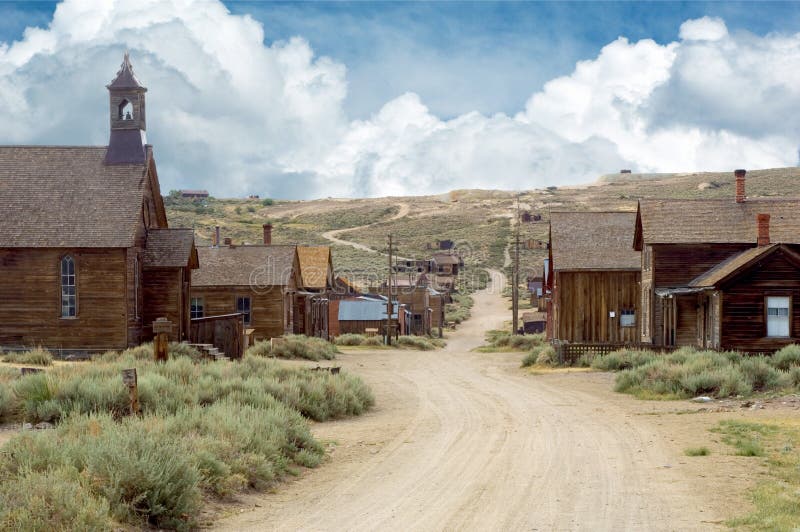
x,y
165,296
583,301
743,323
30,299
674,265
270,309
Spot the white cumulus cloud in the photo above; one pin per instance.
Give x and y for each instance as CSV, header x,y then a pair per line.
x,y
236,115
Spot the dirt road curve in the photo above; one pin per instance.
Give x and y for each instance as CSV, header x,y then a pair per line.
x,y
333,236
467,441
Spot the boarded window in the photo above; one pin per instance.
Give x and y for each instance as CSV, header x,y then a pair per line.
x,y
196,307
243,306
778,316
69,303
627,318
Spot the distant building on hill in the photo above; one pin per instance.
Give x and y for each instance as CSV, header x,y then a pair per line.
x,y
194,194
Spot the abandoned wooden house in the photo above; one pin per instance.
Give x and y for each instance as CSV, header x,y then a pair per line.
x,y
87,260
316,284
720,273
363,315
194,194
257,281
593,278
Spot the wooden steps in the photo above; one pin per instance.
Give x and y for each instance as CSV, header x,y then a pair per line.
x,y
210,352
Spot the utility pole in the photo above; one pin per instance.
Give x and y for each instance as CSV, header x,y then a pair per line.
x,y
515,278
389,298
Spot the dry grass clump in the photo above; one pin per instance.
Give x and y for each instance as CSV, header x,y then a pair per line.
x,y
541,355
296,346
34,357
688,372
505,341
206,430
421,343
350,339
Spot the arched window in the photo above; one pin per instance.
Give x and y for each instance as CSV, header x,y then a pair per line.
x,y
125,110
69,305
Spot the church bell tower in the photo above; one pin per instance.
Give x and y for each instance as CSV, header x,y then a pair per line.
x,y
126,145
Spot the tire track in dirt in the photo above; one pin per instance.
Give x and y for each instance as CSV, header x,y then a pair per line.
x,y
466,441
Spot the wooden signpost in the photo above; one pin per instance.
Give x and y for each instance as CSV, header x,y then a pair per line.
x,y
161,329
29,371
130,380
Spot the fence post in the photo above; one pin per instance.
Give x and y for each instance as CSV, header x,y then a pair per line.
x,y
130,380
161,329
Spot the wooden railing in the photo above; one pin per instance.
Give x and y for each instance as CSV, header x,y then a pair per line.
x,y
225,332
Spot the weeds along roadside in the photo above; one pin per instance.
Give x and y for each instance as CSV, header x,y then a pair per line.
x,y
207,430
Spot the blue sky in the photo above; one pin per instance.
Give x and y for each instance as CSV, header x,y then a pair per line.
x,y
363,98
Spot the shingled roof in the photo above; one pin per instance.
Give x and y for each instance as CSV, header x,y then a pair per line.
x,y
314,265
716,221
170,248
125,78
64,196
741,261
245,266
593,241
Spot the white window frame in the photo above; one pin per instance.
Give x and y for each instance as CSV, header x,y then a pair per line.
x,y
778,316
627,317
69,287
193,306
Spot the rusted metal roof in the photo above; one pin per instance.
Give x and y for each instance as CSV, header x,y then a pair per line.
x,y
64,196
593,241
245,266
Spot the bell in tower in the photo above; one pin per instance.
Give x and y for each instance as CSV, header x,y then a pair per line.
x,y
126,145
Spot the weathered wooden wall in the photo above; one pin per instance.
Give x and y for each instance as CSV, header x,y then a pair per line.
x,y
360,327
226,333
743,319
674,265
164,296
584,300
268,307
30,299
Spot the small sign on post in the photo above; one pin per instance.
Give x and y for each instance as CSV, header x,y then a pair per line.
x,y
130,380
161,329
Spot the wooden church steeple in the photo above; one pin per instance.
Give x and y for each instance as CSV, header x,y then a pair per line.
x,y
126,144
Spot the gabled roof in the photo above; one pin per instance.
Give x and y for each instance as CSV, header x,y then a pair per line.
x,y
445,258
125,78
715,221
364,310
315,266
593,241
170,248
256,266
737,263
64,196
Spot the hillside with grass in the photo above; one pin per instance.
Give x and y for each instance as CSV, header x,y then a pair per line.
x,y
480,222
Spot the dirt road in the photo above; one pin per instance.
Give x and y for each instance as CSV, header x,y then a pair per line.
x,y
467,441
333,236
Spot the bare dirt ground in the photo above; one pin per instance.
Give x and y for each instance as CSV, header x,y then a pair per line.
x,y
468,441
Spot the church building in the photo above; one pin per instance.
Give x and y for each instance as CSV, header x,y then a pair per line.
x,y
87,259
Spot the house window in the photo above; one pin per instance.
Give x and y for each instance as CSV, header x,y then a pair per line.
x,y
69,303
778,316
196,307
243,306
627,317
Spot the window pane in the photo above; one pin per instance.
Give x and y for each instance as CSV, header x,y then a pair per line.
x,y
778,316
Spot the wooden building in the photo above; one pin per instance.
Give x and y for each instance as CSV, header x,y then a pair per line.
x,y
706,282
361,316
87,260
593,278
258,281
316,284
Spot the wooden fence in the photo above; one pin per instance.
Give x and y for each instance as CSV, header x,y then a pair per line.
x,y
225,332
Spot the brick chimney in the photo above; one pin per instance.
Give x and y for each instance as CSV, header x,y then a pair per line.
x,y
740,195
763,229
267,234
216,236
